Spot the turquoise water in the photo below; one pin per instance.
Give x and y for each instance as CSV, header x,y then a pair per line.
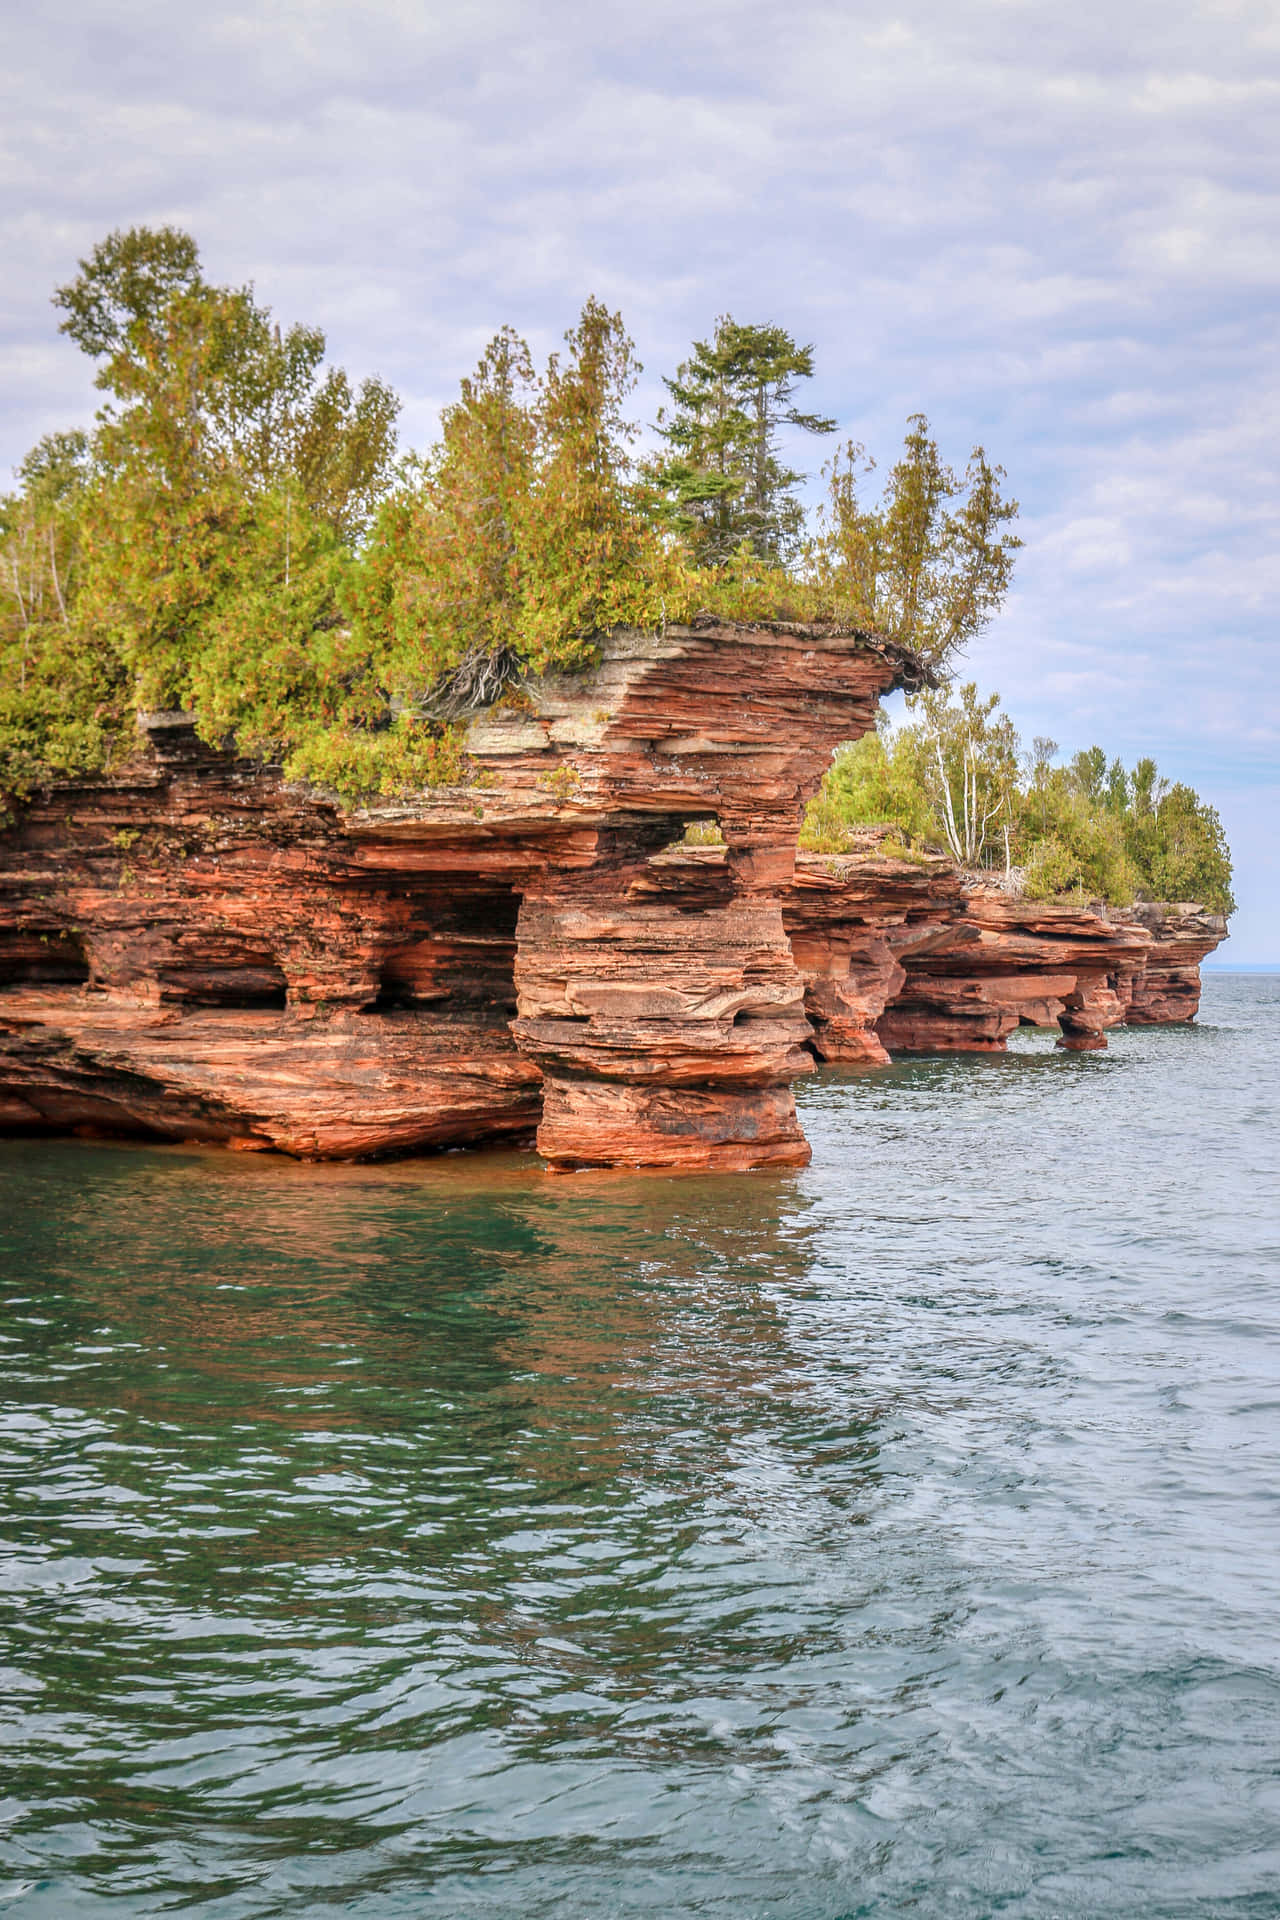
x,y
897,1537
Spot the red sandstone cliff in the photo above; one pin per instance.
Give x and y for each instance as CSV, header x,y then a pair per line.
x,y
853,921
1168,988
1008,962
195,950
910,955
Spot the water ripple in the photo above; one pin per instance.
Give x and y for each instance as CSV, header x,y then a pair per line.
x,y
895,1537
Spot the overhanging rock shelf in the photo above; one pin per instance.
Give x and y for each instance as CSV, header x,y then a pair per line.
x,y
910,955
197,951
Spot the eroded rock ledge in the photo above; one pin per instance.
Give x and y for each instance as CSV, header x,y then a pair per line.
x,y
194,949
197,951
908,955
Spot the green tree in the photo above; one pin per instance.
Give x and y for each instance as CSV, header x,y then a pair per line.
x,y
869,783
951,778
519,540
236,533
592,563
1068,843
212,411
63,703
255,400
723,482
122,290
1175,841
1191,860
947,777
931,561
40,533
964,754
439,589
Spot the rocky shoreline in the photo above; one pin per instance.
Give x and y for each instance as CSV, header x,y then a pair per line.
x,y
196,951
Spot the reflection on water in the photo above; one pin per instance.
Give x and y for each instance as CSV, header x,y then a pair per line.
x,y
895,1536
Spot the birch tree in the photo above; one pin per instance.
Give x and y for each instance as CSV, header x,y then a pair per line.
x,y
966,755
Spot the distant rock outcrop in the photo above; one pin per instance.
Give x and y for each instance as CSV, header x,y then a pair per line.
x,y
909,955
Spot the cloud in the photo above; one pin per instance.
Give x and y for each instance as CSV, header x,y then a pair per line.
x,y
1053,229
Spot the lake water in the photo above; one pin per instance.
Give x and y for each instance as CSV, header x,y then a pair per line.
x,y
899,1537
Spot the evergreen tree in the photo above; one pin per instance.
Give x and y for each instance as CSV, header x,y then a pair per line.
x,y
226,459
439,587
930,563
592,561
204,386
723,482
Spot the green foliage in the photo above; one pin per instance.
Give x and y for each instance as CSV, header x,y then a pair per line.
x,y
124,287
702,833
1052,870
963,754
931,562
236,537
951,778
1116,834
1070,835
407,757
745,588
1191,859
590,561
519,536
868,784
441,575
40,532
276,658
192,551
722,483
64,707
66,710
1073,847
946,778
205,385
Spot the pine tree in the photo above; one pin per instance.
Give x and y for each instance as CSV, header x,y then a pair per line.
x,y
723,482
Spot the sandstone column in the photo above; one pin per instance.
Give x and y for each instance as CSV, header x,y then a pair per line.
x,y
666,1013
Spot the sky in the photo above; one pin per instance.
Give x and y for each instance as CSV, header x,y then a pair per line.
x,y
1054,230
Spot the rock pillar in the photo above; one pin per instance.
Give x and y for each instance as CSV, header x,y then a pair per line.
x,y
666,1013
1168,989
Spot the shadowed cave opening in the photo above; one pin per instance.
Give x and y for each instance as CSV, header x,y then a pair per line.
x,y
52,958
240,981
457,954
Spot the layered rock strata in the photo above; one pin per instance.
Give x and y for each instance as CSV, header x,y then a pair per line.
x,y
1168,988
902,953
196,950
1010,962
853,920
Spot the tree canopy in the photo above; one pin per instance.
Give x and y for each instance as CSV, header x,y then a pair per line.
x,y
722,483
238,535
931,561
954,777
